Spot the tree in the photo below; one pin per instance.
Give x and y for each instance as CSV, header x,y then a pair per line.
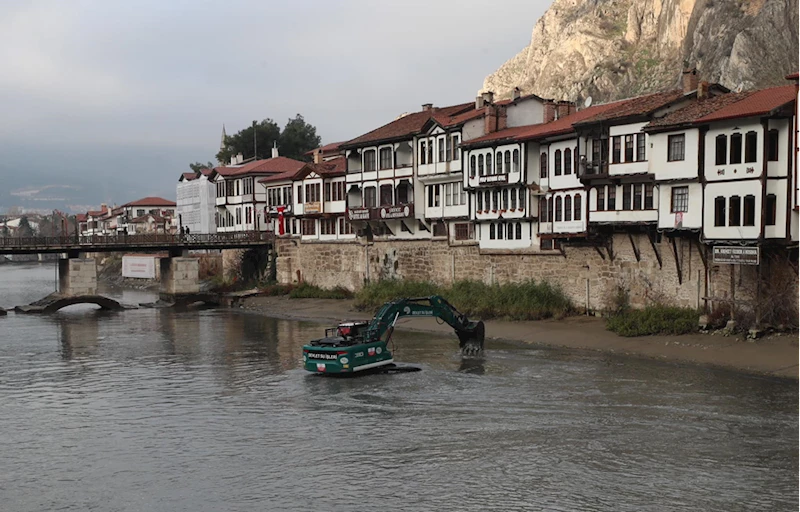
x,y
266,133
25,229
297,138
197,166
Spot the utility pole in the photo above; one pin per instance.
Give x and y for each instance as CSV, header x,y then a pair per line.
x,y
255,142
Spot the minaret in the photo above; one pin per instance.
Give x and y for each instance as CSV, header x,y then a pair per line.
x,y
222,143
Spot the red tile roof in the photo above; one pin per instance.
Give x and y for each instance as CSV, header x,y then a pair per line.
x,y
696,110
327,148
793,76
758,103
639,106
188,176
543,130
151,201
406,126
333,167
269,166
81,217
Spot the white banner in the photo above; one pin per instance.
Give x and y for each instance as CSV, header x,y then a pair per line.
x,y
143,267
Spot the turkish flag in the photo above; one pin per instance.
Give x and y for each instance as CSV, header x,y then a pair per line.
x,y
281,229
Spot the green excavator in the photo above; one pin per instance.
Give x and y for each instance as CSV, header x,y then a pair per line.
x,y
354,347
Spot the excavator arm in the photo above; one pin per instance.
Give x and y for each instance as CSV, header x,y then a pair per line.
x,y
470,333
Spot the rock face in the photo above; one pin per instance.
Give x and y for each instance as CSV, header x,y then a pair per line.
x,y
611,49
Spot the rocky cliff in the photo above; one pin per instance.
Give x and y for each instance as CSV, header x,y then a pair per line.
x,y
611,49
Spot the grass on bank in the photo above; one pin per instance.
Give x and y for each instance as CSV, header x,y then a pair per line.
x,y
653,319
528,300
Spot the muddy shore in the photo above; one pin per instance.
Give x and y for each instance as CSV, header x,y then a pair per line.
x,y
774,354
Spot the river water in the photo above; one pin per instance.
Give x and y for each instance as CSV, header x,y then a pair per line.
x,y
210,410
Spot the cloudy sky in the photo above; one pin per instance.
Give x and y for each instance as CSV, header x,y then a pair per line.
x,y
115,98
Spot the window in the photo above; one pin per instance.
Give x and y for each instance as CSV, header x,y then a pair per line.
x,y
499,162
601,198
402,192
456,148
479,202
648,196
521,198
722,150
508,160
463,231
519,231
449,149
369,197
772,145
543,205
597,151
387,195
676,145
735,211
299,193
489,164
719,211
422,153
140,212
448,199
568,208
567,161
463,194
386,158
491,231
771,209
430,151
501,228
515,159
338,191
472,166
578,207
308,227
749,210
238,215
557,163
543,165
550,210
327,226
480,165
442,151
736,148
434,198
640,148
237,187
629,148
626,197
487,197
495,200
312,193
327,188
345,228
505,199
750,144
369,160
616,149
513,199
680,199
558,209
612,197
637,197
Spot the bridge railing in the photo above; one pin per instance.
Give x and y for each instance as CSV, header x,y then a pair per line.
x,y
139,239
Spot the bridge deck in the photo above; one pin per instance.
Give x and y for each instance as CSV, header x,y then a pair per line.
x,y
134,243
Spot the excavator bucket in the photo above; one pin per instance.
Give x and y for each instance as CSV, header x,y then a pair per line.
x,y
471,340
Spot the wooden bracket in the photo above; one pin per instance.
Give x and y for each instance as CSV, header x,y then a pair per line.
x,y
636,251
655,250
701,249
599,251
677,261
610,248
561,250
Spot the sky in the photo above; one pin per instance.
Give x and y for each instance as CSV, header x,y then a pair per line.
x,y
102,99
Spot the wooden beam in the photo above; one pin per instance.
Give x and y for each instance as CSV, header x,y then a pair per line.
x,y
562,251
610,247
600,252
635,249
677,261
701,249
655,250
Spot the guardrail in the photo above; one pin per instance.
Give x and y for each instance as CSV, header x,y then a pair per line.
x,y
137,240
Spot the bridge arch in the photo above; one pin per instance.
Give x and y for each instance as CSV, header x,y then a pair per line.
x,y
53,304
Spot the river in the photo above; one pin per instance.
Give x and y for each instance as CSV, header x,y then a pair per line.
x,y
210,410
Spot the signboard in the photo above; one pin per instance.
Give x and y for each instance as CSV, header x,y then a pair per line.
x,y
735,255
142,267
358,213
493,178
678,219
312,207
396,212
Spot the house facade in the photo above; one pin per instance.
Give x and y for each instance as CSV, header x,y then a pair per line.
x,y
196,202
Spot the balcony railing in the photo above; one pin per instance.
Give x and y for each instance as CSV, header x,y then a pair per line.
x,y
143,239
589,170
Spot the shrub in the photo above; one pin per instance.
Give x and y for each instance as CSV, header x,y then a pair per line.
x,y
310,291
654,319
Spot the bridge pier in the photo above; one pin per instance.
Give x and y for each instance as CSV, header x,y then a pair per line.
x,y
77,277
180,276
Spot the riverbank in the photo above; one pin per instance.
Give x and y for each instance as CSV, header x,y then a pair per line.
x,y
774,355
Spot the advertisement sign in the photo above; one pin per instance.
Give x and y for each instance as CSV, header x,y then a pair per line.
x,y
358,213
735,255
493,178
314,207
395,212
142,267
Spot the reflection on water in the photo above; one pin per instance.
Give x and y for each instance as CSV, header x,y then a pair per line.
x,y
210,410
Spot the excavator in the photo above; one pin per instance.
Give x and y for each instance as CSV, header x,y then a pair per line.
x,y
353,347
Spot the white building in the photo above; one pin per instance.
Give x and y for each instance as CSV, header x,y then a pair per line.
x,y
196,202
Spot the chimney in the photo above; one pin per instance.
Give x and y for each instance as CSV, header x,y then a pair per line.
x,y
318,156
564,108
690,80
515,94
490,119
427,107
274,150
478,102
549,111
702,90
502,119
488,97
